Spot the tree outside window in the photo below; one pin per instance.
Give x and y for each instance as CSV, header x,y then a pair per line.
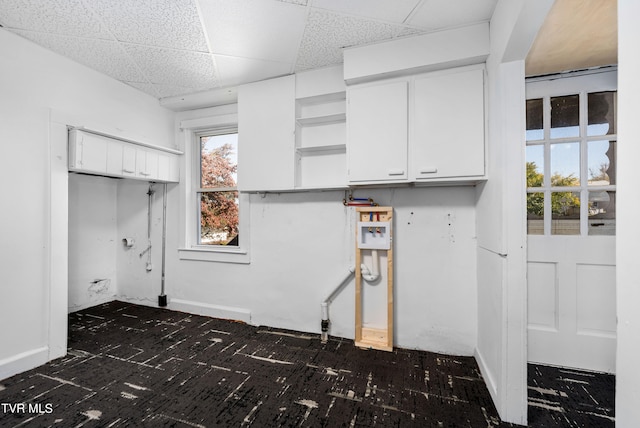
x,y
218,193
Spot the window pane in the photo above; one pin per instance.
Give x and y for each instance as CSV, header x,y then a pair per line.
x,y
602,213
219,218
601,110
602,160
218,160
565,213
565,164
534,120
535,213
565,116
535,166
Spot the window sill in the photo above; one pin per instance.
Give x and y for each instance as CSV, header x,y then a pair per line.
x,y
222,255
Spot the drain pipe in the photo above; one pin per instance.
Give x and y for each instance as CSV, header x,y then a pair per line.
x,y
367,274
324,306
162,298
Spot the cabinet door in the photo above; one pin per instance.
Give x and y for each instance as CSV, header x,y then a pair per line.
x,y
114,158
168,168
146,164
128,161
448,125
377,123
90,153
266,135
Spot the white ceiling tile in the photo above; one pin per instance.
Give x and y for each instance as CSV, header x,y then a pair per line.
x,y
410,31
145,87
395,11
68,17
259,29
327,33
104,56
163,23
438,14
170,91
234,70
174,67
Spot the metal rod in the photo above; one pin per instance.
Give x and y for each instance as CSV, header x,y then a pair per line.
x,y
164,234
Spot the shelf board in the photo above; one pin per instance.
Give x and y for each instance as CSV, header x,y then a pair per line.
x,y
322,120
323,98
333,148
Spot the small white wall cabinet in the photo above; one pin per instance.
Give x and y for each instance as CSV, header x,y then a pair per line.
x,y
97,154
427,128
266,135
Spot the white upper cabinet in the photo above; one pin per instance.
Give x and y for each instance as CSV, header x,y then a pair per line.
x,y
427,128
98,154
88,153
266,135
448,126
377,119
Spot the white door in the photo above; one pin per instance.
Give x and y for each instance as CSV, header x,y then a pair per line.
x,y
571,188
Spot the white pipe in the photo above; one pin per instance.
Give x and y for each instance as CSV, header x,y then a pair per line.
x,y
324,306
367,274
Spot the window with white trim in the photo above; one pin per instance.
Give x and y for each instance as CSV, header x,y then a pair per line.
x,y
571,164
215,214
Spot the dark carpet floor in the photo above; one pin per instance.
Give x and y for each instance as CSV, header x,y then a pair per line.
x,y
132,365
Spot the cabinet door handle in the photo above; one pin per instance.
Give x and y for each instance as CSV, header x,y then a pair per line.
x,y
396,172
428,170
127,171
144,173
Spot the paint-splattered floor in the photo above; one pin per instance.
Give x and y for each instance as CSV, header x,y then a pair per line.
x,y
131,365
570,398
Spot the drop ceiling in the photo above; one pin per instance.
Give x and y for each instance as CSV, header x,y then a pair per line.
x,y
170,48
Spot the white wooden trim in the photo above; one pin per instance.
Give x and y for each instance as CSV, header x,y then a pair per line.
x,y
215,311
137,143
24,361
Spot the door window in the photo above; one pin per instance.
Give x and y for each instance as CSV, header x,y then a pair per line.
x,y
571,163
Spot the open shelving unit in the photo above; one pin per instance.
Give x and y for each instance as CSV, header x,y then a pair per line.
x,y
321,141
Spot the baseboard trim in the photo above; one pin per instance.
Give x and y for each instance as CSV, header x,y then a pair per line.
x,y
215,311
489,379
24,361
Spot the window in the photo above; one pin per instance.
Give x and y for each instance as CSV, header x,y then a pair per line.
x,y
571,164
215,214
217,194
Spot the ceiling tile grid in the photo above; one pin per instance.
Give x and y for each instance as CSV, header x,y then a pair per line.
x,y
65,17
328,32
163,23
439,14
105,56
169,48
257,29
188,69
395,12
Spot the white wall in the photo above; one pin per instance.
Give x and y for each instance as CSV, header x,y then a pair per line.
x,y
628,226
302,245
501,351
93,240
42,93
135,283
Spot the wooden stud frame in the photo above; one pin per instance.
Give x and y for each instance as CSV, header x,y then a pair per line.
x,y
372,338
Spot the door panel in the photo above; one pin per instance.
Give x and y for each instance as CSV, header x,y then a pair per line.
x,y
572,310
